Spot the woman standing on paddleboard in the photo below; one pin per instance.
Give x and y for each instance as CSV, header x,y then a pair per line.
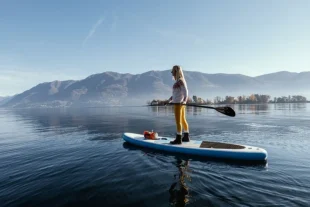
x,y
179,98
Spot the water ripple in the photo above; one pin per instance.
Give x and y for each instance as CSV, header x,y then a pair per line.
x,y
78,158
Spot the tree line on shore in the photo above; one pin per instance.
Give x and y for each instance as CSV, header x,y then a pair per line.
x,y
252,99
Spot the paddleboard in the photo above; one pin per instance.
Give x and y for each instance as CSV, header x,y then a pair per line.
x,y
200,148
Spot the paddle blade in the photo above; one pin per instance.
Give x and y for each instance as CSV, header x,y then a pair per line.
x,y
226,110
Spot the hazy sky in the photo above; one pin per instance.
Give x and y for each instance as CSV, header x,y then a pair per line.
x,y
58,40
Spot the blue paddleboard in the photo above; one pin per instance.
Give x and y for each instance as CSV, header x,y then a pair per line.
x,y
200,148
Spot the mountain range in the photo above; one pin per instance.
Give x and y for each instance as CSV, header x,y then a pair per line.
x,y
111,88
4,100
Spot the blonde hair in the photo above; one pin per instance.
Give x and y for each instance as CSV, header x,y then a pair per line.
x,y
179,73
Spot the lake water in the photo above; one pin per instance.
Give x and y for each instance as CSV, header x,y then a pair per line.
x,y
77,157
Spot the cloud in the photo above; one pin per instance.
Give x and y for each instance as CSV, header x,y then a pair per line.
x,y
93,30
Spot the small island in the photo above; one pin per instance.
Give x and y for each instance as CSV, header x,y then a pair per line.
x,y
251,99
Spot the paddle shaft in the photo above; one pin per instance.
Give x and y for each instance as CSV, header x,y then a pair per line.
x,y
224,110
208,107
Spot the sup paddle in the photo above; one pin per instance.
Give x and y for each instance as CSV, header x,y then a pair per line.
x,y
228,111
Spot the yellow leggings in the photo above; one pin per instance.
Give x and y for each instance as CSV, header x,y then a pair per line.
x,y
180,118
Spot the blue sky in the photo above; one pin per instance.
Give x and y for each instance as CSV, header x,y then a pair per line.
x,y
58,40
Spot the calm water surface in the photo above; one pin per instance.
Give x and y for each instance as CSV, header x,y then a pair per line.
x,y
76,157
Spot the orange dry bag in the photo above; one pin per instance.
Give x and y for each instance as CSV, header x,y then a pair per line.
x,y
150,135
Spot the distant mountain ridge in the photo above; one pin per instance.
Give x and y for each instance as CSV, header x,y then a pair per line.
x,y
112,88
4,100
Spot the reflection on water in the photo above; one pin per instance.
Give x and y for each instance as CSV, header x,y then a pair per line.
x,y
61,121
290,106
268,108
254,108
44,154
170,109
179,191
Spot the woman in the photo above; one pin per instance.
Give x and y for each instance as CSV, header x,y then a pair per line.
x,y
179,97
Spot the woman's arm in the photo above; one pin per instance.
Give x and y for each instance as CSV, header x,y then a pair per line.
x,y
184,91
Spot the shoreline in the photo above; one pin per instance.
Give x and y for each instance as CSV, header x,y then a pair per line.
x,y
204,104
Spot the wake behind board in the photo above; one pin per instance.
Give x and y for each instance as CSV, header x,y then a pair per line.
x,y
201,148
